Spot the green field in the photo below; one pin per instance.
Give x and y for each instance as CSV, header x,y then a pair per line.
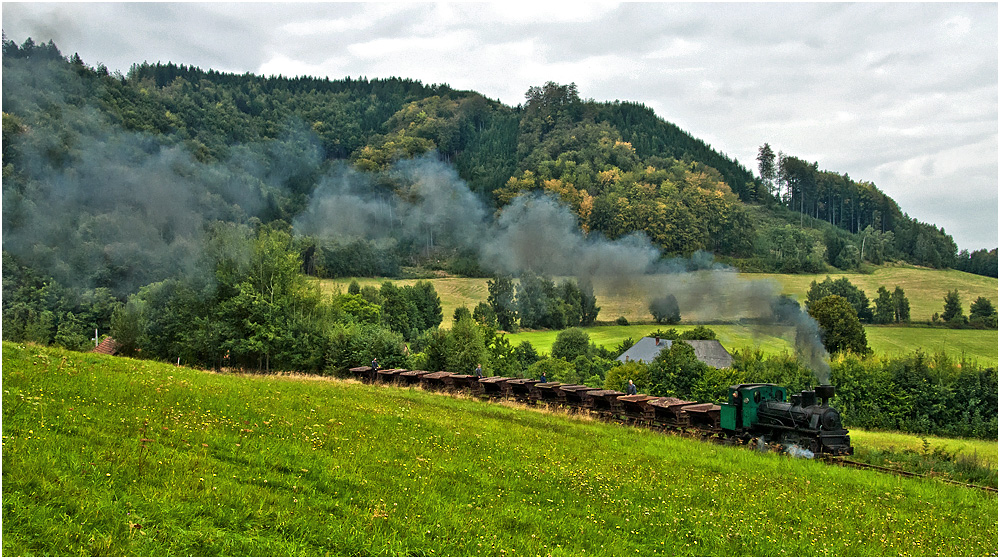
x,y
975,345
109,456
979,346
985,453
925,289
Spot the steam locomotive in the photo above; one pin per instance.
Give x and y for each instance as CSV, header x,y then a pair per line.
x,y
760,411
753,413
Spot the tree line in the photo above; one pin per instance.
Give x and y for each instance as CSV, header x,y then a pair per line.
x,y
860,208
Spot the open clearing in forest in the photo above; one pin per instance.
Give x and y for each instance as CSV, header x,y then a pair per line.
x,y
112,456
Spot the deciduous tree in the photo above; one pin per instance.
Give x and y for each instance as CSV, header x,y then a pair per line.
x,y
839,325
665,309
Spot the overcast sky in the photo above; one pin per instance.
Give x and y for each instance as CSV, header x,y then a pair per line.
x,y
903,95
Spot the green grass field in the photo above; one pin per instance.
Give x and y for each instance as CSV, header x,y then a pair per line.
x,y
979,346
109,456
984,453
924,288
975,345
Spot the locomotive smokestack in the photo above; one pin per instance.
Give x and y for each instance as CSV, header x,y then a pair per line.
x,y
825,391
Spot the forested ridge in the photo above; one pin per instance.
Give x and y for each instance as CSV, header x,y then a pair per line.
x,y
619,167
116,185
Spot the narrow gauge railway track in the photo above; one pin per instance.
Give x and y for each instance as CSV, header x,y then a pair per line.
x,y
662,414
862,466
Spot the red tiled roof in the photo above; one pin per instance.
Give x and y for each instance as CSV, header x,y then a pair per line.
x,y
108,346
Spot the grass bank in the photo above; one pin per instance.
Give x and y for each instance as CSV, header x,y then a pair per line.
x,y
107,456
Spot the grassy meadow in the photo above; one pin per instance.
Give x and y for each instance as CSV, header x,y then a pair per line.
x,y
983,453
924,288
979,346
111,456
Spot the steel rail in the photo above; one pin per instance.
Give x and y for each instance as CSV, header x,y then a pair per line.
x,y
862,466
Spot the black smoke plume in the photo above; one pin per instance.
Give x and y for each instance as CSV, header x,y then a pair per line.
x,y
537,234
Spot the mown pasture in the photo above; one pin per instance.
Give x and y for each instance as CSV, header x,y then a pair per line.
x,y
924,288
979,346
110,456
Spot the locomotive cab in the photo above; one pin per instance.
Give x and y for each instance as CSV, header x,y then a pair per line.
x,y
740,412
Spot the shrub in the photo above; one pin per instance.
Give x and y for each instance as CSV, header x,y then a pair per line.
x,y
556,370
668,334
618,376
699,333
570,344
665,309
841,329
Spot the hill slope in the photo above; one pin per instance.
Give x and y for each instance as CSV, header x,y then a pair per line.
x,y
619,166
107,456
